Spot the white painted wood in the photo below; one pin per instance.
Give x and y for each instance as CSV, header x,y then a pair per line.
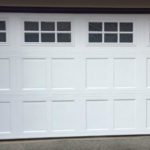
x,y
74,89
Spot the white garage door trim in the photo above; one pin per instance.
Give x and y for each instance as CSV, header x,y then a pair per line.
x,y
76,88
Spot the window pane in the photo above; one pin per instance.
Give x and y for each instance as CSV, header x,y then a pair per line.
x,y
64,37
48,37
2,25
47,26
110,37
126,38
2,37
31,26
126,26
95,38
31,37
95,26
63,26
111,26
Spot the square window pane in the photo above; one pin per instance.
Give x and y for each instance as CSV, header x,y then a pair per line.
x,y
112,38
111,26
64,26
31,37
64,37
95,26
126,38
31,26
2,25
48,37
95,38
2,37
47,26
125,26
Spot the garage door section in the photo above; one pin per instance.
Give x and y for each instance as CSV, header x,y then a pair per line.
x,y
68,75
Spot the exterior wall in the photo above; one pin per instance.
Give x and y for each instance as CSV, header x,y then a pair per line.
x,y
79,3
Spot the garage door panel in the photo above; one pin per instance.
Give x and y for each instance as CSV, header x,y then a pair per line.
x,y
125,72
34,116
124,113
64,73
148,73
5,117
148,113
5,75
62,115
33,73
97,114
97,73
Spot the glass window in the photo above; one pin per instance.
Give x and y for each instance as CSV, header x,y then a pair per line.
x,y
2,31
111,26
95,37
63,26
47,31
124,26
110,32
126,38
48,37
31,26
47,26
2,37
111,38
31,37
95,26
2,25
64,37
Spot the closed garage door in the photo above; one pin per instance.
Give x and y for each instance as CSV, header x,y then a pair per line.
x,y
74,75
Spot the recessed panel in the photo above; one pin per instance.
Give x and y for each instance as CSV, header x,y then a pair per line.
x,y
5,117
124,113
64,115
4,73
63,73
97,73
124,72
97,114
148,73
34,73
34,115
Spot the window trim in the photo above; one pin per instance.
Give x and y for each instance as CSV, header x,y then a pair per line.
x,y
109,44
48,19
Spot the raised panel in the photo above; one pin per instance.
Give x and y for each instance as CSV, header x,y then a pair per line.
x,y
148,73
124,113
5,117
34,116
148,113
34,73
97,114
4,73
63,73
97,73
64,115
124,72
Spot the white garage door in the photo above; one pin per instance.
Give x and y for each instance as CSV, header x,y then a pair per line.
x,y
74,75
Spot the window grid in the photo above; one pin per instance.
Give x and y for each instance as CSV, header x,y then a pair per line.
x,y
118,32
55,32
4,31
